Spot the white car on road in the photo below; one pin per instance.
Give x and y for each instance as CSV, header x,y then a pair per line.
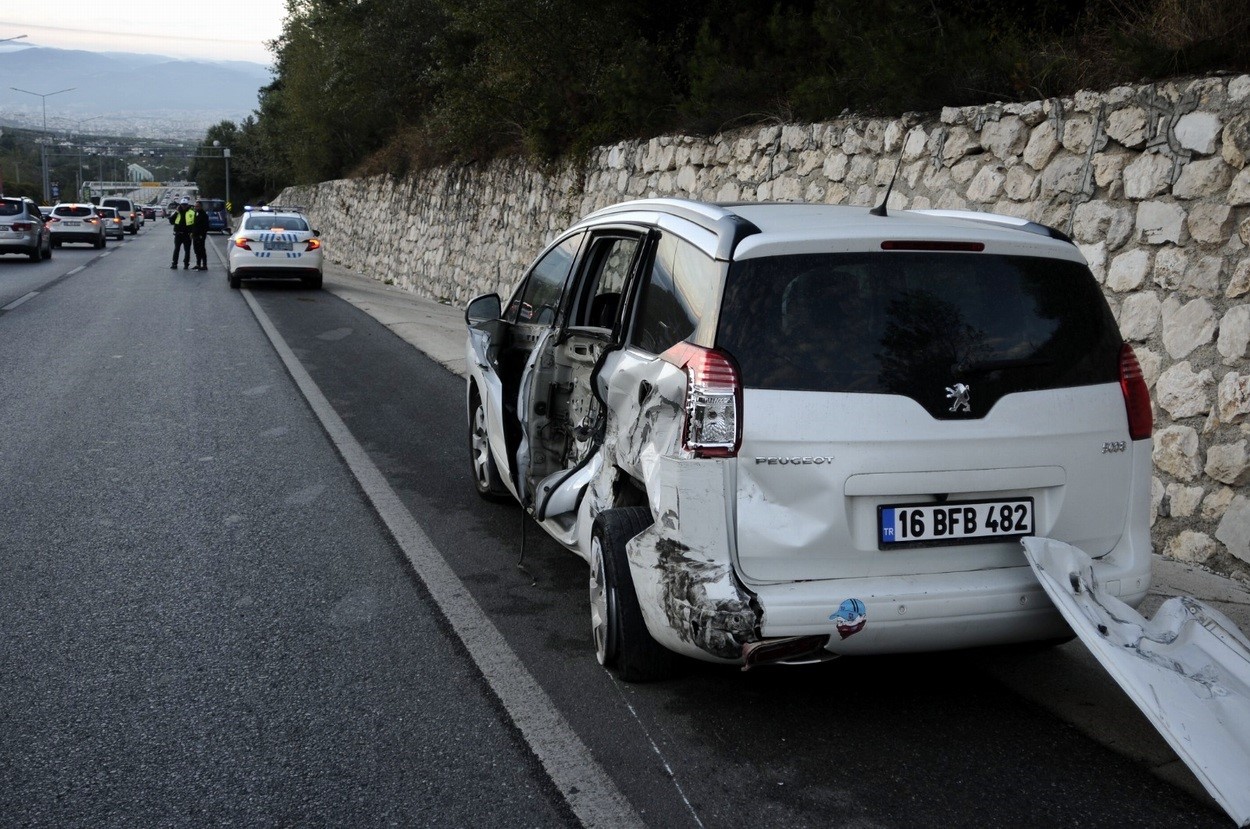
x,y
275,243
784,432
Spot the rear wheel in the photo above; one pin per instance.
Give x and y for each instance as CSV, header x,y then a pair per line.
x,y
235,282
99,243
36,253
622,641
486,477
313,282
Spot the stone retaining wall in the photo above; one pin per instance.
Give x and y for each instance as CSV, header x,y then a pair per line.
x,y
1151,181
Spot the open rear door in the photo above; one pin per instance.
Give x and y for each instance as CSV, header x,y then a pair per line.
x,y
1187,669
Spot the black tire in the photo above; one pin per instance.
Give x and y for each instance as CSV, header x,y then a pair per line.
x,y
482,468
99,243
312,282
36,253
622,642
235,282
56,244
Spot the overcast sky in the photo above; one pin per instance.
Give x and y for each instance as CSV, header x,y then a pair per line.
x,y
205,29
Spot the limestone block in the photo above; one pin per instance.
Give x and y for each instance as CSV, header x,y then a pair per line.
x,y
835,166
1078,134
1239,190
1176,452
1066,174
960,141
1183,500
1170,266
1109,169
1160,222
729,192
743,150
815,193
1087,100
852,141
963,172
1234,528
1043,143
1232,398
795,137
1239,285
1203,277
1228,463
892,138
1094,220
1243,231
1096,257
686,179
948,200
1187,326
953,115
885,172
1202,179
1139,317
1183,392
874,137
1020,184
863,169
787,189
1210,224
809,161
1128,126
1005,137
1239,88
1199,132
1234,334
1216,502
1191,546
914,144
1128,270
1149,175
838,193
913,172
767,136
1235,145
1031,113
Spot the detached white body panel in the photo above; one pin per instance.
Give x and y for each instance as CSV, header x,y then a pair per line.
x,y
1188,669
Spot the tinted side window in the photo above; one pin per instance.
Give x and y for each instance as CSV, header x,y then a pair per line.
x,y
915,323
677,294
538,300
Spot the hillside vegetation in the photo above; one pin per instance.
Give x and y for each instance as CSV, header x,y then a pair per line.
x,y
371,86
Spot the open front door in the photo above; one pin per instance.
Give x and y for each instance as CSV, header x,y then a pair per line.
x,y
1187,669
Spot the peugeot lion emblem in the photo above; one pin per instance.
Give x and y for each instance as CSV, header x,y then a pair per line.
x,y
960,394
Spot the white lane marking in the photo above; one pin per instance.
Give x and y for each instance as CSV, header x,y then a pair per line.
x,y
586,787
19,301
78,269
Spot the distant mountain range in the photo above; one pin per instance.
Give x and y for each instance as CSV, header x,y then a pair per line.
x,y
126,94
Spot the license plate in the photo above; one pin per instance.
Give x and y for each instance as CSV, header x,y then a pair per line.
x,y
277,245
960,522
73,223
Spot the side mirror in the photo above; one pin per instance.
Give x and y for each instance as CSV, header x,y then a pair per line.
x,y
482,309
316,233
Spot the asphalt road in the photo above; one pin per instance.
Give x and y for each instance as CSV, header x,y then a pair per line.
x,y
204,621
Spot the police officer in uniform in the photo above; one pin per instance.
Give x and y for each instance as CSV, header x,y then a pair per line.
x,y
199,234
183,221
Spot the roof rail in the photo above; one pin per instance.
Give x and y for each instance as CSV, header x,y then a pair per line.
x,y
1011,222
729,227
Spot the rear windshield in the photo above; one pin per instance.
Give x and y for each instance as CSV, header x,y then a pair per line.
x,y
10,208
107,212
73,211
214,205
916,323
263,222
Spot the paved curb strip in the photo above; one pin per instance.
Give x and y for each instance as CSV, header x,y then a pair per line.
x,y
591,794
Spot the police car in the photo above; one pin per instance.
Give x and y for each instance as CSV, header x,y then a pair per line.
x,y
275,242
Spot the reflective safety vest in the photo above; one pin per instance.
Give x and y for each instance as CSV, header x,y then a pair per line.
x,y
186,218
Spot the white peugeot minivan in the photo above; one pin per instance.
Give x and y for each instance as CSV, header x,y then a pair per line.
x,y
783,432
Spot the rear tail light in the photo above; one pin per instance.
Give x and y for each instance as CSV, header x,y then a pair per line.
x,y
713,403
22,227
314,244
1136,395
240,242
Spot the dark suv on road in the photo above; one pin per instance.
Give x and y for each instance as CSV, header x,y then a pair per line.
x,y
218,218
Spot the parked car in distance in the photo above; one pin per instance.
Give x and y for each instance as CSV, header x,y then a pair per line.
x,y
274,242
23,229
76,222
112,220
778,433
132,219
218,218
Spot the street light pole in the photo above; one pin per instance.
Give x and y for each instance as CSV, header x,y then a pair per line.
x,y
44,96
